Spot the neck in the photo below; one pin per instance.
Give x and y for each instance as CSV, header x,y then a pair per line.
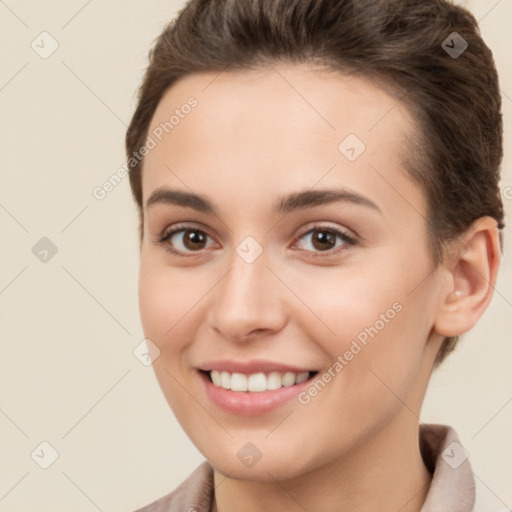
x,y
385,473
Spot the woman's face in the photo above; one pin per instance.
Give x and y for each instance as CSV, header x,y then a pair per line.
x,y
285,249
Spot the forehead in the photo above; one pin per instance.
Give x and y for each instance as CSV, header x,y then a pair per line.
x,y
262,128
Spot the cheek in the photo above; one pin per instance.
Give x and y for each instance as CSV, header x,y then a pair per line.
x,y
348,304
165,299
155,303
376,318
165,302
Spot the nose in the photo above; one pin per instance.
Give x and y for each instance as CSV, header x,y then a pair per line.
x,y
248,302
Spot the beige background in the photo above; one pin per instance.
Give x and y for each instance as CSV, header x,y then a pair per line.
x,y
69,326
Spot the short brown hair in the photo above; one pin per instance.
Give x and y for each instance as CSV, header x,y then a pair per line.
x,y
455,100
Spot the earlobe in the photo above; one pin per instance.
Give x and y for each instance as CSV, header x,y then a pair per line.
x,y
473,267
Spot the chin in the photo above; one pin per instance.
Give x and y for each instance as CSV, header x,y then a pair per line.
x,y
274,464
268,471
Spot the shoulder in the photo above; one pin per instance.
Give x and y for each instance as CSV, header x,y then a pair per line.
x,y
193,495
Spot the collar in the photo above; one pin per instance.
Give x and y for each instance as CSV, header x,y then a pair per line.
x,y
453,485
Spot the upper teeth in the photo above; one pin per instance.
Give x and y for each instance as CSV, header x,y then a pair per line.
x,y
256,381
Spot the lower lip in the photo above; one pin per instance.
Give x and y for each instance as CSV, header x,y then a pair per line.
x,y
248,403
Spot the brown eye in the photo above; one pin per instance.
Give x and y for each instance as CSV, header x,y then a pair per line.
x,y
194,239
326,240
186,240
323,240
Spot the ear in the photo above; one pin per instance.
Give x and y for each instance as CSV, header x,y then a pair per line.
x,y
472,264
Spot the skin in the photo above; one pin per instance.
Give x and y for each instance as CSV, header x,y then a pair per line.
x,y
253,137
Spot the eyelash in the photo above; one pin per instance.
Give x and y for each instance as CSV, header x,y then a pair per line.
x,y
346,239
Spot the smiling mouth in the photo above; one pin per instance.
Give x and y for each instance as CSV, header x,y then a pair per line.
x,y
256,382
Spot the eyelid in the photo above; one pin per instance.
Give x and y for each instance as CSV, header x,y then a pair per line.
x,y
180,226
319,225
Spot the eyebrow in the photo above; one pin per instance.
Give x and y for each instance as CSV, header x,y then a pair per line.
x,y
286,204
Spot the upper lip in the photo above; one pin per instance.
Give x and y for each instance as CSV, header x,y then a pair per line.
x,y
249,367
